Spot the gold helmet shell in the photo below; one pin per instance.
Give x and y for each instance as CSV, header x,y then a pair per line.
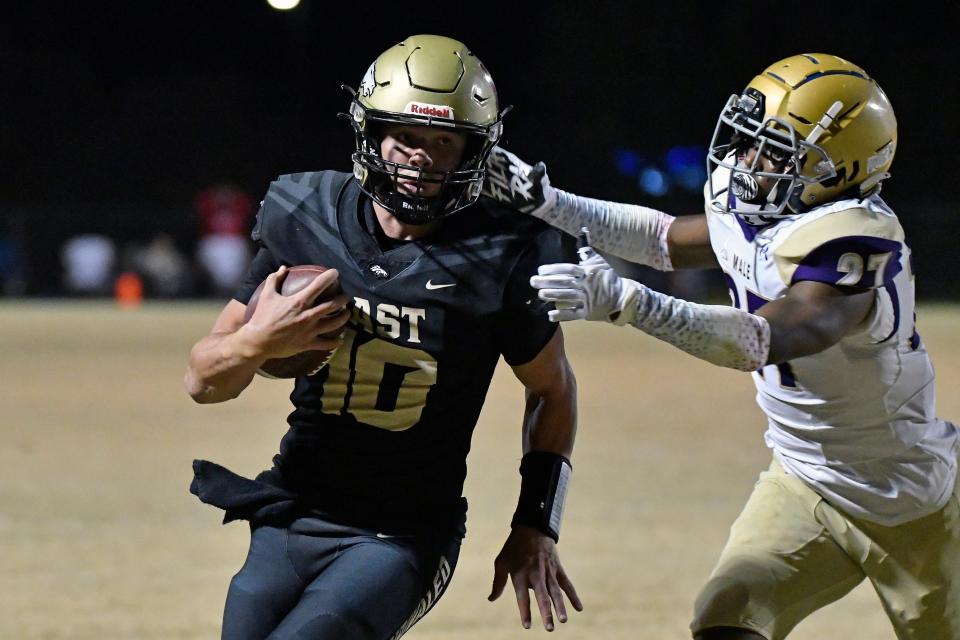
x,y
431,70
831,121
426,80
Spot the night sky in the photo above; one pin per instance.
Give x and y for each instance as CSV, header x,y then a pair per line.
x,y
115,114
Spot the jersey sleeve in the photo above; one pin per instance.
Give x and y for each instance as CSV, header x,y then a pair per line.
x,y
859,248
263,265
522,325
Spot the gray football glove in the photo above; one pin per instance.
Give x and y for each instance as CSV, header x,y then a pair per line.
x,y
514,183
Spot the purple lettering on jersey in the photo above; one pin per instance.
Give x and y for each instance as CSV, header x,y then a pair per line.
x,y
852,261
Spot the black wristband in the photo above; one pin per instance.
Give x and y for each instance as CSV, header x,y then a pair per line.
x,y
543,488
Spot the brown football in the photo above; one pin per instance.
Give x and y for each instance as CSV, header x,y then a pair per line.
x,y
304,363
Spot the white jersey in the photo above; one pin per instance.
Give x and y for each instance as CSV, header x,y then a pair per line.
x,y
856,421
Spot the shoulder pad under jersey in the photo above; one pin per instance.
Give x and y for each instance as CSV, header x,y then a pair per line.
x,y
315,191
856,244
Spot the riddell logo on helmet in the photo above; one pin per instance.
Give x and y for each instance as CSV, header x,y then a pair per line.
x,y
432,110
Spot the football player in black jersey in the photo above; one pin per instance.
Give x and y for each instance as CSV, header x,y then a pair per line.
x,y
357,526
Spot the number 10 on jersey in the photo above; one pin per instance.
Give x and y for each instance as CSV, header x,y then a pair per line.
x,y
378,382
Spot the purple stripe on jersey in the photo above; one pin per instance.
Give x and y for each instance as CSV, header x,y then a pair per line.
x,y
843,259
749,231
754,302
895,301
732,286
787,378
915,338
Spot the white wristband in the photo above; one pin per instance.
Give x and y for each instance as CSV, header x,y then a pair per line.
x,y
724,336
632,232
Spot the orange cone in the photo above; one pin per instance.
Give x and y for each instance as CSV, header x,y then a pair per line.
x,y
128,290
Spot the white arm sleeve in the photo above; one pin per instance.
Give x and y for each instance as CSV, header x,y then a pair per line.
x,y
632,232
724,336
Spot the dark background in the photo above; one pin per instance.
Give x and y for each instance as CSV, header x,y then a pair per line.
x,y
113,115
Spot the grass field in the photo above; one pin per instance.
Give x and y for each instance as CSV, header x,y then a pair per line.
x,y
100,539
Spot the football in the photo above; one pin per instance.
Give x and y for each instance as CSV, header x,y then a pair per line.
x,y
305,363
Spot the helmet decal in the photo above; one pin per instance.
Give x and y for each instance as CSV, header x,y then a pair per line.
x,y
369,82
432,110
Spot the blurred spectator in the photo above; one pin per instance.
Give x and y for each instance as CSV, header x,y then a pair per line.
x,y
165,271
223,252
88,262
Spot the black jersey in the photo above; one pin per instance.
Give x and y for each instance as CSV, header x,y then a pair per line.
x,y
381,434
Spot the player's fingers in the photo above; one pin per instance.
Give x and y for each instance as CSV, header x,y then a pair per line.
x,y
537,172
499,581
593,263
327,324
521,588
543,599
571,296
569,589
557,281
556,595
330,307
561,268
272,283
566,315
517,166
319,284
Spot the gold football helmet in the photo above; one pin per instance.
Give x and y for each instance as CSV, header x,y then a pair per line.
x,y
823,122
429,81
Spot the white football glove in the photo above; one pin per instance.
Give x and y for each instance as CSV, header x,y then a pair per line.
x,y
591,290
514,183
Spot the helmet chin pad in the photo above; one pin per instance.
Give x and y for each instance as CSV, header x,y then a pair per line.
x,y
408,209
745,187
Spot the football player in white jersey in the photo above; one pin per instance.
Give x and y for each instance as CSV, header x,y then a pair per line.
x,y
862,482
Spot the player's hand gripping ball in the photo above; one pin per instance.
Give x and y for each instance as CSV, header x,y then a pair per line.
x,y
305,363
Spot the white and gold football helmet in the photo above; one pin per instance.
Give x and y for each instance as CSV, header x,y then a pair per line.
x,y
432,81
824,124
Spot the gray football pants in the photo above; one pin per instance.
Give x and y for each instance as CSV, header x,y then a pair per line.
x,y
318,580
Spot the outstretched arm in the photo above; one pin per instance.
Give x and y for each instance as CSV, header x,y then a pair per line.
x,y
529,556
635,233
811,317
